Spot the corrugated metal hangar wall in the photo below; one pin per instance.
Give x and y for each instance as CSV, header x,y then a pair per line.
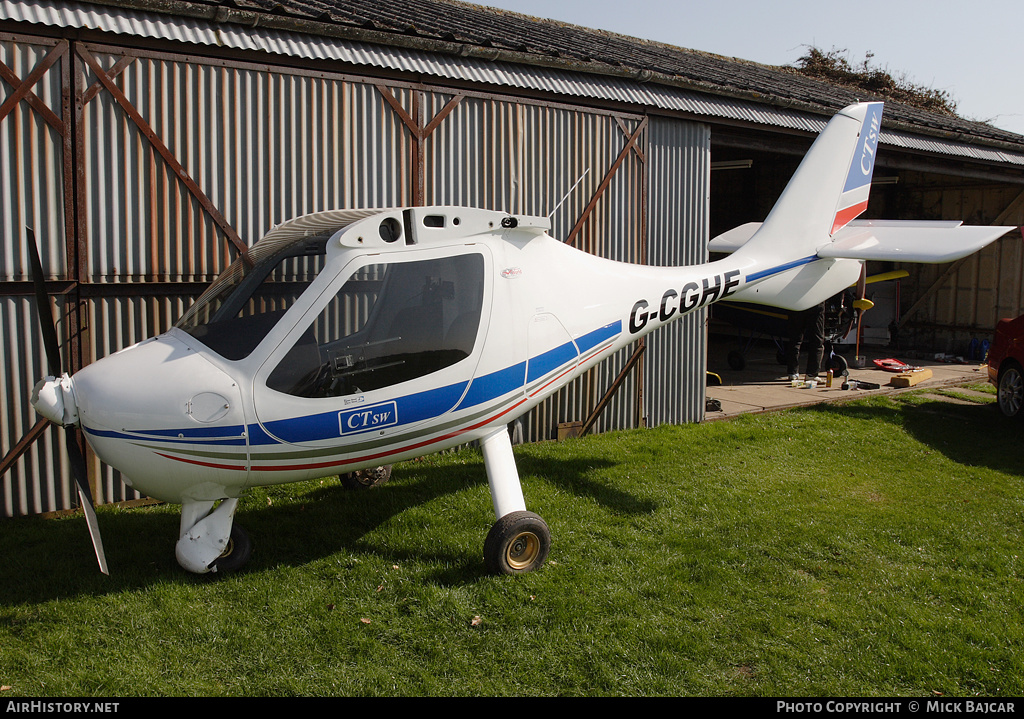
x,y
141,173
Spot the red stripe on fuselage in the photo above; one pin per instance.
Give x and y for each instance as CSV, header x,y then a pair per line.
x,y
381,455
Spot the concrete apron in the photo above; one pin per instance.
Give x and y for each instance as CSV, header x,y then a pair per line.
x,y
762,385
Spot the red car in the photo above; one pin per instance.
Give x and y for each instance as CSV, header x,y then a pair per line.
x,y
1006,365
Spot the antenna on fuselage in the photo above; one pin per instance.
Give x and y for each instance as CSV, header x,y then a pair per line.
x,y
566,197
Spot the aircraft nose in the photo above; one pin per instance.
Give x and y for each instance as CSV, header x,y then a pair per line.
x,y
167,417
159,384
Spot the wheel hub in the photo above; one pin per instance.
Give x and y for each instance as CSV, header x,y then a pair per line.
x,y
523,550
228,550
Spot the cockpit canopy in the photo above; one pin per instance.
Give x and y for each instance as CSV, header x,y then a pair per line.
x,y
394,318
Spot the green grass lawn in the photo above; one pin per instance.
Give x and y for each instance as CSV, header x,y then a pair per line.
x,y
864,549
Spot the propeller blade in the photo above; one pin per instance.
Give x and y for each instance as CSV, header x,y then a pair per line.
x,y
52,347
79,470
46,322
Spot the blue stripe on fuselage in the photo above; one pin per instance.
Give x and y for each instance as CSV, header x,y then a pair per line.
x,y
411,409
551,360
781,268
433,403
495,384
503,381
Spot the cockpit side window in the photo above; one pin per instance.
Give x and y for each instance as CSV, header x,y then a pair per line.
x,y
389,323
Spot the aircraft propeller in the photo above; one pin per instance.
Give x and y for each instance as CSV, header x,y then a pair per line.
x,y
55,367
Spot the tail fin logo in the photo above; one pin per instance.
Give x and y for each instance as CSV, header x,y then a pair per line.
x,y
854,199
863,164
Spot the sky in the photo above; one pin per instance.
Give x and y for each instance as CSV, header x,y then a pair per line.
x,y
971,50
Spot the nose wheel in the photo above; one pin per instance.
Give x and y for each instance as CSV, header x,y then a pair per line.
x,y
236,554
209,541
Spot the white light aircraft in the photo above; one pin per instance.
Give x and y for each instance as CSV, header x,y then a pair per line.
x,y
346,340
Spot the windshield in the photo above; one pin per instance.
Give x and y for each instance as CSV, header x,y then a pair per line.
x,y
242,305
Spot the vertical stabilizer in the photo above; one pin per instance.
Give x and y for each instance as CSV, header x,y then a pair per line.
x,y
829,189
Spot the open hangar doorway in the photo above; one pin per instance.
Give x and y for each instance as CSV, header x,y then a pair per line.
x,y
919,310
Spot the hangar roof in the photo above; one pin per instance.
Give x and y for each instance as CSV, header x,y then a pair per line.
x,y
460,40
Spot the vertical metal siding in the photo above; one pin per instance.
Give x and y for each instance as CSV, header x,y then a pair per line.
x,y
471,156
679,162
31,166
38,481
32,194
263,146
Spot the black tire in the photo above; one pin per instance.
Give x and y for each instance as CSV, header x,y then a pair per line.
x,y
1010,390
517,543
366,478
237,554
736,360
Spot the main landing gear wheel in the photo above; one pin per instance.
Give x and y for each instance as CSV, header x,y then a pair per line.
x,y
517,543
366,478
236,555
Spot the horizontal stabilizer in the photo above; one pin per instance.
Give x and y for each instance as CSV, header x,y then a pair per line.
x,y
894,241
733,239
926,241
